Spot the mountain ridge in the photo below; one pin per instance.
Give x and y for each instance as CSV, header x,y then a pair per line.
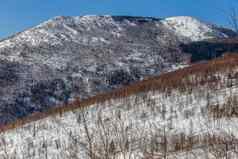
x,y
69,57
116,18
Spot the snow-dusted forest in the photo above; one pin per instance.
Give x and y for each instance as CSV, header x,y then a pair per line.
x,y
194,118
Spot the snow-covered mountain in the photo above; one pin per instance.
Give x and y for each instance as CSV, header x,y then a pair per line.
x,y
68,57
190,113
69,28
192,28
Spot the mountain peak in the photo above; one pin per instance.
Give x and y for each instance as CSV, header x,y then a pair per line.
x,y
183,26
192,28
181,18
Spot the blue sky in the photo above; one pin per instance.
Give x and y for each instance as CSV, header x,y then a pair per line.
x,y
18,15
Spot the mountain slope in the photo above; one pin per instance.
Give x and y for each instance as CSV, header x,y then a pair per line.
x,y
209,49
189,113
68,57
192,28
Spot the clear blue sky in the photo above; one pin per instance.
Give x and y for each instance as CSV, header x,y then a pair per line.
x,y
18,15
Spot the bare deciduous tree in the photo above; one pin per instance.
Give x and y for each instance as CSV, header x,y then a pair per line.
x,y
233,19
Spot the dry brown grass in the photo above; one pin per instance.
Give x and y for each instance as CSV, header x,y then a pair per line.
x,y
179,79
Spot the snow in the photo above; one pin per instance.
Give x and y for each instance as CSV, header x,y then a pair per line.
x,y
189,27
138,117
185,26
89,30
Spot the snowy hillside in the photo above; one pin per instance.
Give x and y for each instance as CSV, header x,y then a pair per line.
x,y
68,28
68,57
192,28
190,113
